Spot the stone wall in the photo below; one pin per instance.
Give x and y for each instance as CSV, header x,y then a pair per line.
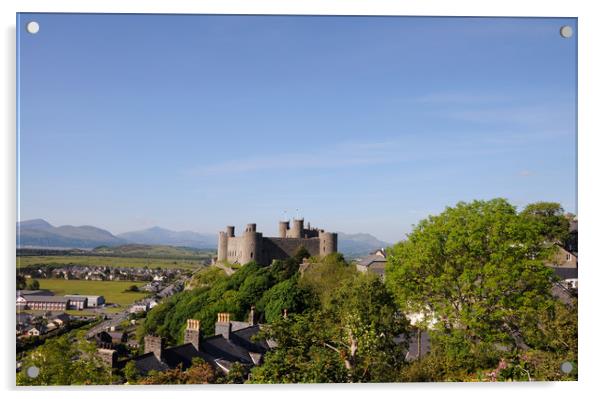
x,y
283,248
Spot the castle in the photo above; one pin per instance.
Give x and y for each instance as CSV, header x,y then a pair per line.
x,y
253,246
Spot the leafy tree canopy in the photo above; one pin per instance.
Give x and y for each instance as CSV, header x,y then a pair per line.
x,y
550,219
476,271
65,360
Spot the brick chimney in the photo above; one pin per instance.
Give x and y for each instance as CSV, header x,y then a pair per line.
x,y
223,325
153,344
193,333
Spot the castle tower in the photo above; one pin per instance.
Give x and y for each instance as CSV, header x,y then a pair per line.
x,y
223,325
328,243
153,344
283,228
230,231
251,245
297,229
193,333
222,247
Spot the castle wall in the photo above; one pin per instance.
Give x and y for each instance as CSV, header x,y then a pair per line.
x,y
283,248
252,246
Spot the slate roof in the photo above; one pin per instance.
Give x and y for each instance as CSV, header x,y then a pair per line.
x,y
245,336
182,354
215,350
370,259
147,363
35,292
119,336
564,295
565,272
44,298
64,317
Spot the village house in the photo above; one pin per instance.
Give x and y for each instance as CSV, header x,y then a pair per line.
x,y
90,301
232,343
77,302
565,265
139,307
36,331
42,302
375,263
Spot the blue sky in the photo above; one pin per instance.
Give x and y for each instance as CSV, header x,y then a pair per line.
x,y
363,124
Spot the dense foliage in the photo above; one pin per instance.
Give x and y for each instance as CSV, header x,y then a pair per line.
x,y
270,289
475,276
350,338
66,360
199,373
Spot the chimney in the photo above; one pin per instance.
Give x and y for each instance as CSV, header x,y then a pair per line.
x,y
223,325
153,344
193,333
252,317
108,356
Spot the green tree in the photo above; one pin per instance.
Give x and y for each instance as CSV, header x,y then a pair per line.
x,y
207,277
34,285
133,288
284,295
131,373
236,375
301,355
65,361
550,219
351,339
476,271
199,373
324,277
21,282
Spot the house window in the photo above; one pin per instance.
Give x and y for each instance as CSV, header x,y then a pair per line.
x,y
568,256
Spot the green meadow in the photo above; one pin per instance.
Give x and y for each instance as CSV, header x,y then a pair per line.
x,y
110,261
113,291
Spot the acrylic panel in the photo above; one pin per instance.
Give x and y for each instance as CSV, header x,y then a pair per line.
x,y
234,199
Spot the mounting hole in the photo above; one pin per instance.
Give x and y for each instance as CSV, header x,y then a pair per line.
x,y
566,367
566,31
33,371
33,27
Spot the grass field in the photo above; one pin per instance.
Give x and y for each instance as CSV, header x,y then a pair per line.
x,y
25,261
111,290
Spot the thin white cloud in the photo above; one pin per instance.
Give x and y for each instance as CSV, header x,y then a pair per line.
x,y
341,155
461,98
404,148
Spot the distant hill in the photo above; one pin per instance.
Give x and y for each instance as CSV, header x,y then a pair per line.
x,y
155,251
41,234
38,233
360,244
160,236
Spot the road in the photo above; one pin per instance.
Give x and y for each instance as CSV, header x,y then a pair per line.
x,y
113,320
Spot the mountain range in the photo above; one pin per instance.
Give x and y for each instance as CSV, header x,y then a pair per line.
x,y
38,233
